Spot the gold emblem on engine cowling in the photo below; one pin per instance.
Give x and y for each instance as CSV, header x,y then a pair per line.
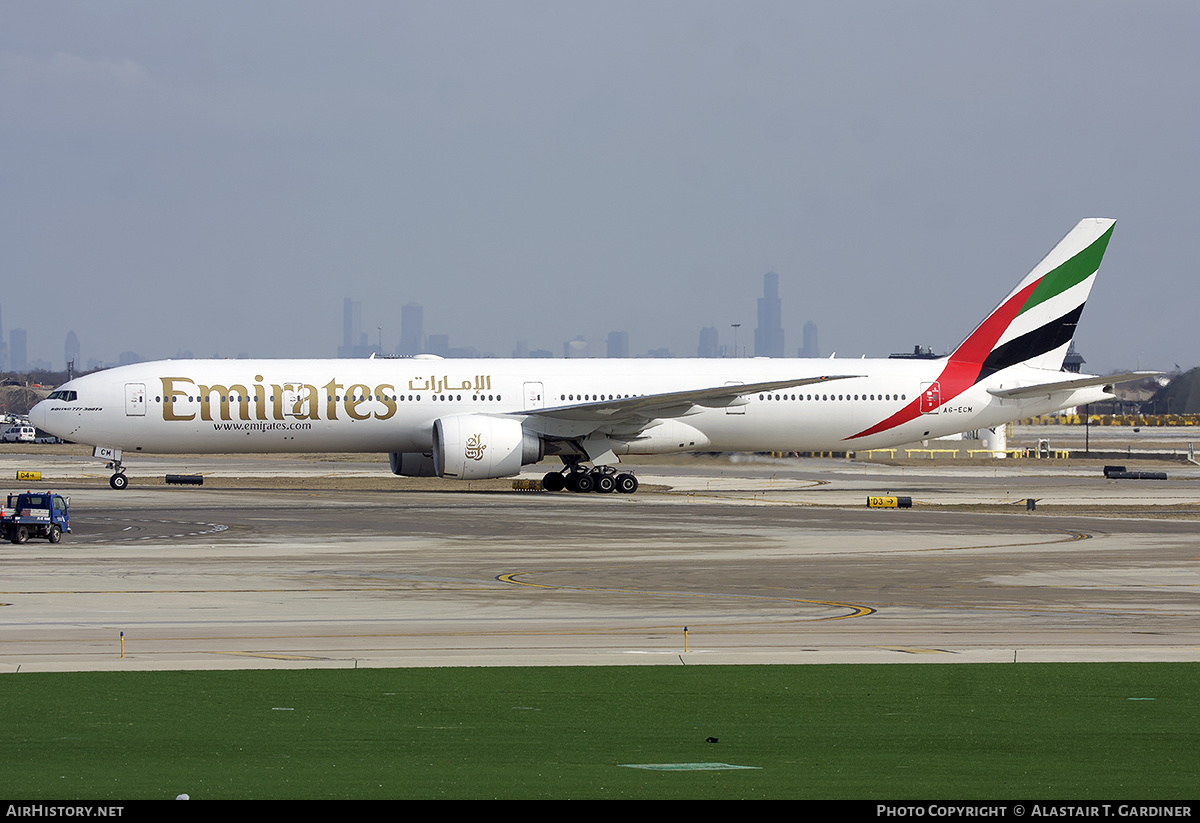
x,y
475,447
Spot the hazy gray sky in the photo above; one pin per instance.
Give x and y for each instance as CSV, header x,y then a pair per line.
x,y
218,176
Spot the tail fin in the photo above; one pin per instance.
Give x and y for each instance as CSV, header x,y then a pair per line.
x,y
1035,323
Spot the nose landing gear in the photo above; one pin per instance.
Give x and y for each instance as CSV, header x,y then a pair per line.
x,y
113,457
118,480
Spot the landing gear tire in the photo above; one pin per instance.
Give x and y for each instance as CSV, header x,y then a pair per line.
x,y
55,534
605,483
118,481
581,482
626,483
554,482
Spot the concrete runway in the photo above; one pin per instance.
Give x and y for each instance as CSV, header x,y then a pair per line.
x,y
771,561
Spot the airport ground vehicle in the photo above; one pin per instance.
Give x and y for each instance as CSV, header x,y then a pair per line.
x,y
35,514
19,434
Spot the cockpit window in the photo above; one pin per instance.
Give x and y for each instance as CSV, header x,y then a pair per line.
x,y
67,396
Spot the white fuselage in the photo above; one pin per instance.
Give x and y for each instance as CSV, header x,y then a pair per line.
x,y
391,405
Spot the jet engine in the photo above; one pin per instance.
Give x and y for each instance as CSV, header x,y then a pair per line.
x,y
475,446
412,464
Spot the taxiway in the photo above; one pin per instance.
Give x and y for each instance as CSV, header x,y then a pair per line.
x,y
763,562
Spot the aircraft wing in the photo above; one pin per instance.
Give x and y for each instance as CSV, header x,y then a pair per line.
x,y
1070,385
668,404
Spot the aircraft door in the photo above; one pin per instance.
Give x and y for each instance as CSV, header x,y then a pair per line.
x,y
135,399
533,396
931,398
293,399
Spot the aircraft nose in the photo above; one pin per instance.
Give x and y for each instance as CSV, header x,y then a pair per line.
x,y
37,415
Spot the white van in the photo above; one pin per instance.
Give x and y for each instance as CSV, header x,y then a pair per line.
x,y
19,434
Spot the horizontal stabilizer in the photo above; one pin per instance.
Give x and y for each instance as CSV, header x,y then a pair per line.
x,y
1070,385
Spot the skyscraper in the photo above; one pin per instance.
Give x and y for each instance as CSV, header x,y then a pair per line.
x,y
354,339
577,347
618,344
71,349
412,330
768,336
709,343
18,357
810,349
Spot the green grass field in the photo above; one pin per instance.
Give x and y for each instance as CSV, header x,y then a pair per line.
x,y
1017,731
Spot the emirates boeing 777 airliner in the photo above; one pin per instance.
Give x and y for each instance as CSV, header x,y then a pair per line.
x,y
487,418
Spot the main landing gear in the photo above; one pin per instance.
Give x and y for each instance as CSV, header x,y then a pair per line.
x,y
603,479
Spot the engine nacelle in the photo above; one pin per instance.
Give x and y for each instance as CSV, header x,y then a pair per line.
x,y
475,446
412,464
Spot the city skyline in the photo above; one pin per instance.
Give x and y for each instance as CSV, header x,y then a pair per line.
x,y
356,340
615,344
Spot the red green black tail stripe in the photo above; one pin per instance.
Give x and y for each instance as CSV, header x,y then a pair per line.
x,y
981,355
